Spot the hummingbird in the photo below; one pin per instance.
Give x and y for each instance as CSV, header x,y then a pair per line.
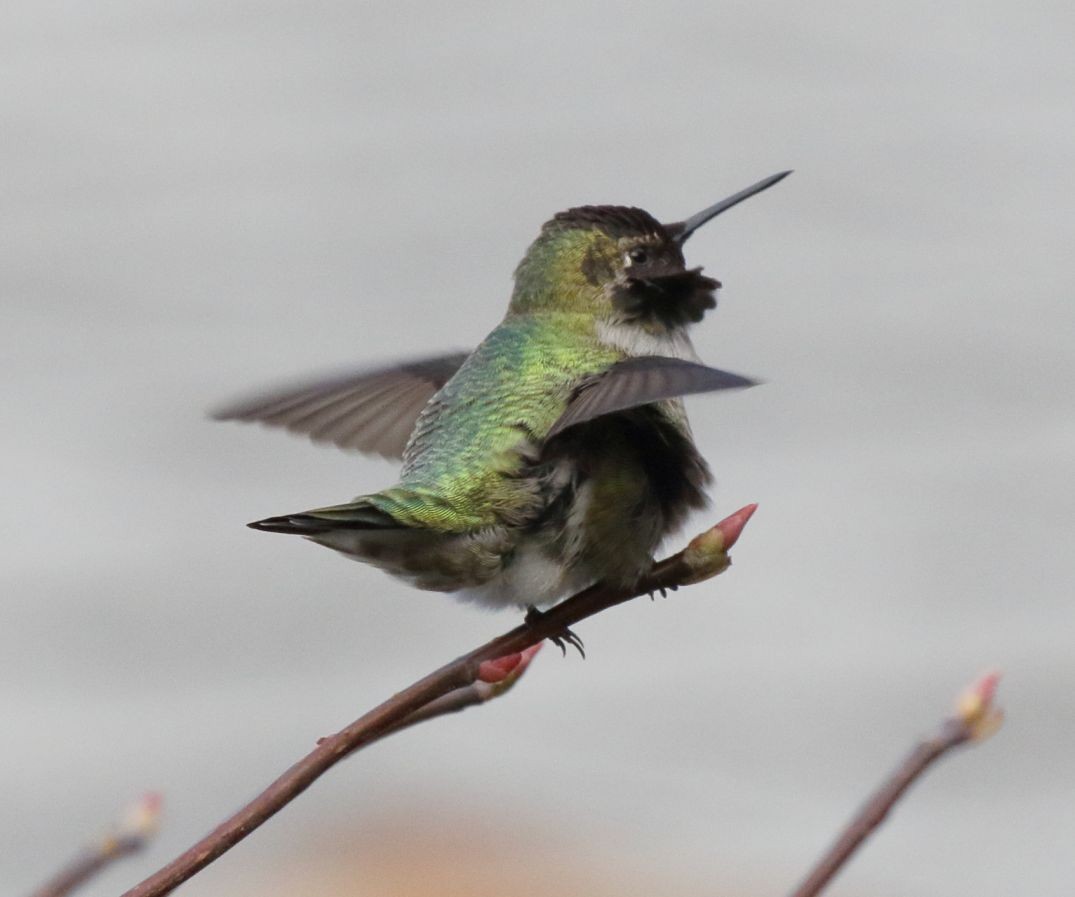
x,y
555,455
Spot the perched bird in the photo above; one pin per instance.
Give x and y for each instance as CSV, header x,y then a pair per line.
x,y
554,455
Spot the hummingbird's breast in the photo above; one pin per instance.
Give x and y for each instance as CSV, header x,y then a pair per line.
x,y
638,477
612,489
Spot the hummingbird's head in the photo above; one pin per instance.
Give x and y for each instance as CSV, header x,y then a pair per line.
x,y
620,264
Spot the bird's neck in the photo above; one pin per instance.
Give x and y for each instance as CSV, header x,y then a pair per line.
x,y
556,275
633,339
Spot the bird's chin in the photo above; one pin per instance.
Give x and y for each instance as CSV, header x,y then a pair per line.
x,y
671,300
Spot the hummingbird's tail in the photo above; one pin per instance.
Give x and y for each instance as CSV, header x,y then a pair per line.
x,y
430,559
356,515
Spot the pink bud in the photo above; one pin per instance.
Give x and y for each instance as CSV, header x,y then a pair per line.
x,y
731,526
975,708
140,819
501,668
986,686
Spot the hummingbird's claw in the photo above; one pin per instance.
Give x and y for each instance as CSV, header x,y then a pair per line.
x,y
568,637
664,590
561,639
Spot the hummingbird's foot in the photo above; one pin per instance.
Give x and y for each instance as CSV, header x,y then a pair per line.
x,y
664,590
561,639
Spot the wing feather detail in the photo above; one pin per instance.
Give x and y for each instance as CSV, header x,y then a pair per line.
x,y
641,381
369,410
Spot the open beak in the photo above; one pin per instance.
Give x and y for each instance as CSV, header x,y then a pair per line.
x,y
683,229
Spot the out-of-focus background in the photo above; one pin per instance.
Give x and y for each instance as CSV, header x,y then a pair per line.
x,y
201,198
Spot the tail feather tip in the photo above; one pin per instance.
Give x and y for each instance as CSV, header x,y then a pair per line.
x,y
278,525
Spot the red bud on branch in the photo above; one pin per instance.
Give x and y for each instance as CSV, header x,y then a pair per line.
x,y
139,821
732,526
707,554
975,708
503,672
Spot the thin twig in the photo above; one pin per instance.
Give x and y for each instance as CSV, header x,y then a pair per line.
x,y
129,835
975,719
705,557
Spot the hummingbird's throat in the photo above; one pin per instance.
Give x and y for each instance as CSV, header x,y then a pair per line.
x,y
669,301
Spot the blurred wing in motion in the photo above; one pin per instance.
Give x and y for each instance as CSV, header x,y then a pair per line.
x,y
640,381
371,410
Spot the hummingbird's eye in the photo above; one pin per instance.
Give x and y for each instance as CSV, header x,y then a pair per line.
x,y
637,257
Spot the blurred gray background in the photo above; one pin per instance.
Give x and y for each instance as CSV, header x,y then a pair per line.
x,y
202,198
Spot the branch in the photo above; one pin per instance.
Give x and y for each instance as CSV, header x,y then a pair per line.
x,y
975,719
129,835
704,557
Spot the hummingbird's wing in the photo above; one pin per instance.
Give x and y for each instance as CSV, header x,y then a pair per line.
x,y
371,410
640,381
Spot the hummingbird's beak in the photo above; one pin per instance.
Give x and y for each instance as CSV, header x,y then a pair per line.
x,y
683,229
